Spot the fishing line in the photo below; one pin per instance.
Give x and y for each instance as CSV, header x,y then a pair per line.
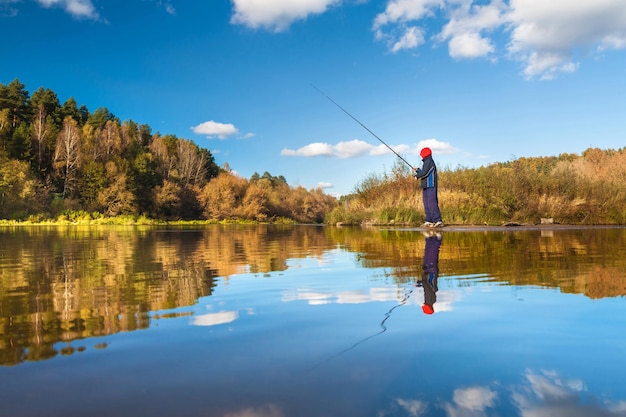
x,y
382,325
364,127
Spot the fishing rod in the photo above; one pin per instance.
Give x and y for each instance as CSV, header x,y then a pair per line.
x,y
364,127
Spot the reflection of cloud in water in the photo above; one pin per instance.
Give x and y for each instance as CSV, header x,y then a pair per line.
x,y
268,410
471,402
543,394
445,298
343,297
547,395
474,398
213,319
414,408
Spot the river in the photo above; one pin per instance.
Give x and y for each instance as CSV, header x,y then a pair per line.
x,y
273,321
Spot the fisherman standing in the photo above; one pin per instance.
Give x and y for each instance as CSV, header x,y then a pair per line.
x,y
427,175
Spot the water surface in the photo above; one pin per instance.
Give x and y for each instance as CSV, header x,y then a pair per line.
x,y
312,321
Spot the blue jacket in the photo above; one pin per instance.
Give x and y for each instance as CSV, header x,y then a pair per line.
x,y
427,174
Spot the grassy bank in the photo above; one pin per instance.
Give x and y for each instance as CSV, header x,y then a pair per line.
x,y
570,189
84,218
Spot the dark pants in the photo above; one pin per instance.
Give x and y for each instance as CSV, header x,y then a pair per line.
x,y
431,205
431,273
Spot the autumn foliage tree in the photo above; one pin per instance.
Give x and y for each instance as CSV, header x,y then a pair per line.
x,y
64,157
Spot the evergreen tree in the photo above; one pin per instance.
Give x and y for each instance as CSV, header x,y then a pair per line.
x,y
14,97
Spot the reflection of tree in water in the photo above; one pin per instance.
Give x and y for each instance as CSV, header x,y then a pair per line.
x,y
65,284
586,260
68,283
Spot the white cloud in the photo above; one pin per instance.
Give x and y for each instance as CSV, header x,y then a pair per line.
x,y
276,15
468,23
82,9
546,37
324,185
467,28
215,129
313,149
437,146
349,149
411,38
406,11
392,25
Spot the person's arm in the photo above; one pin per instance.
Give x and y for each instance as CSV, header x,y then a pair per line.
x,y
423,172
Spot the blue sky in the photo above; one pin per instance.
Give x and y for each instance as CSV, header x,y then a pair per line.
x,y
477,81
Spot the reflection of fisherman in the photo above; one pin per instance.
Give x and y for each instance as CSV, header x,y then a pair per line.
x,y
430,272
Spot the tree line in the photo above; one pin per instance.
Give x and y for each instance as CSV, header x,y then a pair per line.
x,y
62,159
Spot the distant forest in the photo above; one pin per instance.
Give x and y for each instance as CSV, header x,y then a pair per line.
x,y
62,160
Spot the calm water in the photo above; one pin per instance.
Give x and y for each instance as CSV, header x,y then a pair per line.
x,y
312,321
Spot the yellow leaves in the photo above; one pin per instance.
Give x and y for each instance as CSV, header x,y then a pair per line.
x,y
230,197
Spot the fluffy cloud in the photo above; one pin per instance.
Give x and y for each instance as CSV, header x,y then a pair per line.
x,y
82,9
437,146
411,38
392,25
215,129
276,15
398,11
324,185
355,148
467,28
544,36
343,150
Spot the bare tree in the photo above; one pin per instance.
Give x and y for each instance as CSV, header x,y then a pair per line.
x,y
67,154
42,129
164,150
111,139
191,162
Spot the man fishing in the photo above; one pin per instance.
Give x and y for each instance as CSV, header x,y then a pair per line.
x,y
427,175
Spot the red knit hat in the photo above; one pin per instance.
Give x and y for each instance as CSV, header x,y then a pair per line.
x,y
425,152
427,309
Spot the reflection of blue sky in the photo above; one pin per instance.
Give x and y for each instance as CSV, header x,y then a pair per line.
x,y
541,394
323,307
